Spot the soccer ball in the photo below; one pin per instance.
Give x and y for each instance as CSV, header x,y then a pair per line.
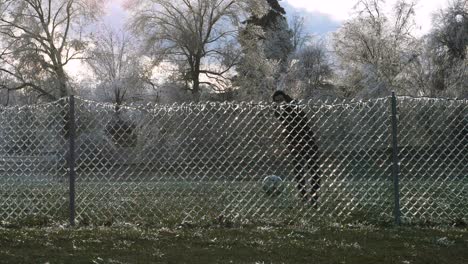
x,y
272,185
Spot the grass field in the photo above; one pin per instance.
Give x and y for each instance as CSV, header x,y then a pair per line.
x,y
168,203
246,244
169,221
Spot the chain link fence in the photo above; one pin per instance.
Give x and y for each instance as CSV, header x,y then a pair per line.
x,y
212,162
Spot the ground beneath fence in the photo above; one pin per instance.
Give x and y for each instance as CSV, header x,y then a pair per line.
x,y
251,244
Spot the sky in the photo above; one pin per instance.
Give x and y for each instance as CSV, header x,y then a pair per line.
x,y
340,10
321,16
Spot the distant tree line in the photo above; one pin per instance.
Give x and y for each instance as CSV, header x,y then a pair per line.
x,y
198,50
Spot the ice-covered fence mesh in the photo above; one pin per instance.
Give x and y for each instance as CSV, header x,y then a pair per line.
x,y
354,139
180,162
433,135
33,177
207,161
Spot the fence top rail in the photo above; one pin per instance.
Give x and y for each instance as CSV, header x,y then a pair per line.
x,y
432,99
328,103
30,107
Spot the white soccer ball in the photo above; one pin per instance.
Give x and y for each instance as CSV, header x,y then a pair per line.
x,y
272,185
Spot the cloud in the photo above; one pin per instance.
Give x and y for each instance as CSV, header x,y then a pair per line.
x,y
315,23
340,10
115,14
337,10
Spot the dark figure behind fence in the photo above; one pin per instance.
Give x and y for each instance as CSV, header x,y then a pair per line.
x,y
301,145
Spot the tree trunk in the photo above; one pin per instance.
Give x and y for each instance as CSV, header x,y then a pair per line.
x,y
196,81
62,83
196,88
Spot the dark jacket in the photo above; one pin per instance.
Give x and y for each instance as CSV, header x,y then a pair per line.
x,y
297,132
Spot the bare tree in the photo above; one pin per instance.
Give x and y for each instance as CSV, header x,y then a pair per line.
x,y
197,35
435,73
119,71
38,38
375,48
310,67
451,29
441,67
299,36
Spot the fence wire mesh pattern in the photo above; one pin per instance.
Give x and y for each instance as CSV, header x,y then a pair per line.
x,y
32,158
246,162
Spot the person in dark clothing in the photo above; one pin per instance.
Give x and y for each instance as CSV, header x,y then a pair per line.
x,y
301,145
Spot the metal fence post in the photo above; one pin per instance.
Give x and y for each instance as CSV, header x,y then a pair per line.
x,y
71,157
395,161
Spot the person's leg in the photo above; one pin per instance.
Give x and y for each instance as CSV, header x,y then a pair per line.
x,y
301,182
